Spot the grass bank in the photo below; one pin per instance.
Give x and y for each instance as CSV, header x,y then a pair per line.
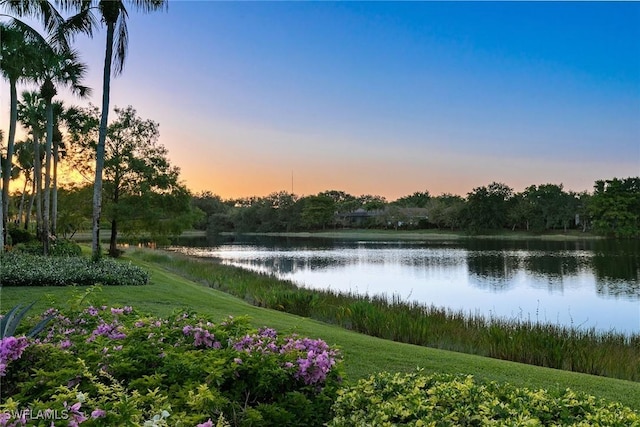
x,y
363,354
581,350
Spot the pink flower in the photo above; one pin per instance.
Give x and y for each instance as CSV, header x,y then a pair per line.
x,y
208,423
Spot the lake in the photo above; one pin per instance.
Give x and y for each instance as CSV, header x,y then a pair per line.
x,y
582,284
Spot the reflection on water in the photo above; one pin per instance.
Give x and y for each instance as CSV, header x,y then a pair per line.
x,y
579,283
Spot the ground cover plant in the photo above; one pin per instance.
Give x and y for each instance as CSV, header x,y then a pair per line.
x,y
418,399
24,269
108,366
582,350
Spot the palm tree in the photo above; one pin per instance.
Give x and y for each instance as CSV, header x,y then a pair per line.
x,y
18,54
19,47
31,113
25,159
114,14
56,68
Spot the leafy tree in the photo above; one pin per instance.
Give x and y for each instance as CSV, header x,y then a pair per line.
x,y
445,211
551,207
372,203
74,213
318,211
113,14
615,207
487,207
344,202
141,186
419,199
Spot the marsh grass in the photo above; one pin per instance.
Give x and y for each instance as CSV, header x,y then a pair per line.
x,y
608,354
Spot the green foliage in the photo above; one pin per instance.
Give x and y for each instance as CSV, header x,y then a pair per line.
x,y
615,207
318,211
19,269
418,399
20,235
126,368
63,247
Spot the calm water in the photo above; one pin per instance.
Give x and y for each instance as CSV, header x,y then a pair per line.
x,y
581,284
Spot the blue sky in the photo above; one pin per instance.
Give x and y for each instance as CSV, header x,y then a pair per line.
x,y
385,98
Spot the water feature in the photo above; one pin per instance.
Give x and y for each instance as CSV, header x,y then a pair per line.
x,y
586,283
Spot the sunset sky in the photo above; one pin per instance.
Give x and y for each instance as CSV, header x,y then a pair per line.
x,y
383,98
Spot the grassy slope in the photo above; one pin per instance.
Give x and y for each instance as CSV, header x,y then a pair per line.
x,y
363,355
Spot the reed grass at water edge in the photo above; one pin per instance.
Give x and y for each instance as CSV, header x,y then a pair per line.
x,y
588,351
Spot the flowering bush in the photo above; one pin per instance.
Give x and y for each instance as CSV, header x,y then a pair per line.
x,y
445,400
107,366
18,269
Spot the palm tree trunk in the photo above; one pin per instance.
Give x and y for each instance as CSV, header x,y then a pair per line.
x,y
46,222
38,179
32,198
6,175
54,197
102,136
21,208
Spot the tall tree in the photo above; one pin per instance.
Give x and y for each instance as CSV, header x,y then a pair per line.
x,y
20,46
31,112
56,68
113,14
18,54
142,189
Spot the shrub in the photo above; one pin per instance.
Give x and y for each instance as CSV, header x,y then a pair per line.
x,y
19,269
418,399
64,247
110,366
18,235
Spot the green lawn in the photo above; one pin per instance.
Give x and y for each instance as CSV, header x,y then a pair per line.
x,y
363,355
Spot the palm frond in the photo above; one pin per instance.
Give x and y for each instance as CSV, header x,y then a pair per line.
x,y
121,41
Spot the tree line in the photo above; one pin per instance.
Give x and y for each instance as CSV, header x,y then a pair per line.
x,y
612,209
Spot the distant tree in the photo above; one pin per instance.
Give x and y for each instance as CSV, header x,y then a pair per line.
x,y
318,211
210,204
344,202
74,211
372,203
416,200
615,207
487,207
445,211
142,188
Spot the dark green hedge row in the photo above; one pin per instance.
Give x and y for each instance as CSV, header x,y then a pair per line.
x,y
20,269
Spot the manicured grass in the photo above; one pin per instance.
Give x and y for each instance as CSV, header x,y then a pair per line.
x,y
364,355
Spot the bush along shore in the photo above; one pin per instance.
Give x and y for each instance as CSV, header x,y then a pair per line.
x,y
609,354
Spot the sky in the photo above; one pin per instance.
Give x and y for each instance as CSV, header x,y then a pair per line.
x,y
383,98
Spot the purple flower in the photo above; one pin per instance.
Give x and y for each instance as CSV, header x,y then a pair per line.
x,y
98,413
208,423
238,360
65,344
11,348
117,310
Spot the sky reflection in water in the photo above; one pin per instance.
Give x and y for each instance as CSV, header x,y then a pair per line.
x,y
581,285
